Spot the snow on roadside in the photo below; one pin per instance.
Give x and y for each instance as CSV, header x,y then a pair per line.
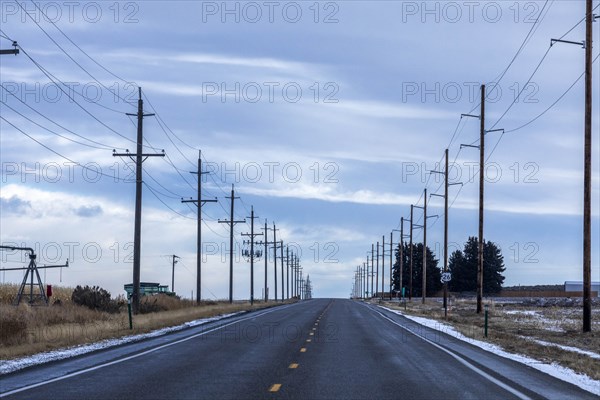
x,y
7,366
555,370
566,348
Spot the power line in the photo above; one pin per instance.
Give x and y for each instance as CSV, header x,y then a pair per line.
x,y
63,50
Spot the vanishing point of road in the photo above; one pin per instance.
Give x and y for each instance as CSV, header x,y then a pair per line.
x,y
315,349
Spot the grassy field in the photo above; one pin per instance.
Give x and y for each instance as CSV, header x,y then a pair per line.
x,y
529,330
26,330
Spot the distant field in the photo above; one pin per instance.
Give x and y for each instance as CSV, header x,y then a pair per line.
x,y
523,328
27,330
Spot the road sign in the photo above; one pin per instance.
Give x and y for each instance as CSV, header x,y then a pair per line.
x,y
446,277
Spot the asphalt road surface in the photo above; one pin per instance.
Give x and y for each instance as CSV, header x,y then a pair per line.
x,y
315,349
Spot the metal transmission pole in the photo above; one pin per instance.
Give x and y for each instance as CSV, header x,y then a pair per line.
x,y
231,223
199,202
140,157
173,273
252,254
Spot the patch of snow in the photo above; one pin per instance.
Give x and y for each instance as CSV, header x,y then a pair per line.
x,y
555,370
522,312
8,366
566,348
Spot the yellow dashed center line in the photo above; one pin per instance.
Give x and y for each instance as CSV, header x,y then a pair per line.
x,y
303,350
275,387
293,366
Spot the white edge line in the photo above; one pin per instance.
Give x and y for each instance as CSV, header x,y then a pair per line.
x,y
120,360
461,360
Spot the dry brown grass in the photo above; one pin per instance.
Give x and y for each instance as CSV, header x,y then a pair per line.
x,y
26,330
516,329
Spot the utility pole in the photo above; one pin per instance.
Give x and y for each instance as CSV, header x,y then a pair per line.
x,y
287,275
266,230
587,175
367,279
382,266
424,285
377,271
481,186
282,277
251,235
410,276
391,263
445,196
173,273
140,157
231,223
275,257
481,148
199,202
372,269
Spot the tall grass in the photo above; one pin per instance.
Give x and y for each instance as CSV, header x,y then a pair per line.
x,y
26,330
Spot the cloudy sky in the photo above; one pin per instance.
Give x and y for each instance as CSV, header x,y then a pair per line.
x,y
326,116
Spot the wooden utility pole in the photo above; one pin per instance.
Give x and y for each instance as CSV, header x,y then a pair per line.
x,y
199,202
377,271
587,174
140,157
382,266
231,223
275,257
401,253
424,285
266,230
287,267
252,254
481,187
282,277
410,276
391,263
372,269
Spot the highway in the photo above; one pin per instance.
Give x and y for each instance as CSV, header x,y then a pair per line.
x,y
315,349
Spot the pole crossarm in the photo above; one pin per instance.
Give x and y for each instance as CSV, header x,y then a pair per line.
x,y
554,41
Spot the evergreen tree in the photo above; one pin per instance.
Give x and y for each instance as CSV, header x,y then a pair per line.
x,y
433,272
463,266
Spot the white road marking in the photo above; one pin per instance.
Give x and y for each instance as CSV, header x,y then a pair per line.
x,y
84,371
464,362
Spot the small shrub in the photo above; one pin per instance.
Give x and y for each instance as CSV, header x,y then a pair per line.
x,y
13,324
94,298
